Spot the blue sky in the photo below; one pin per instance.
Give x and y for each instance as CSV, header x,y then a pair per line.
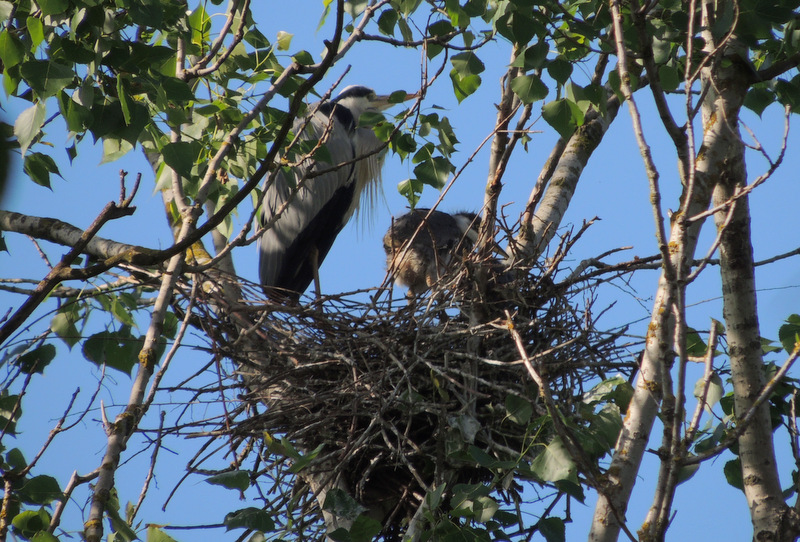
x,y
613,187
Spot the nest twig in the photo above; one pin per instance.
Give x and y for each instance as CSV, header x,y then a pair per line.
x,y
394,399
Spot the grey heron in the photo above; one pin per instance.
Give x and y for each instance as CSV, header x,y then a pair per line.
x,y
422,243
329,193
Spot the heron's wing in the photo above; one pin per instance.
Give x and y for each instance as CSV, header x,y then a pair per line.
x,y
312,219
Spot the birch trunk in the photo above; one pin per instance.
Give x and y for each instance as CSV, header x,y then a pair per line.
x,y
772,519
726,90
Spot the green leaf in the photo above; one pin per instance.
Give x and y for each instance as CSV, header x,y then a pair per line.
x,y
733,473
284,40
38,167
114,149
788,93
687,471
30,522
249,518
563,115
364,529
9,413
44,536
529,88
63,325
342,505
467,64
115,349
303,58
464,86
53,7
560,70
715,391
154,534
125,100
434,171
789,333
410,189
46,78
14,457
533,58
200,23
236,479
552,529
554,464
387,21
28,125
301,461
670,78
694,344
519,410
35,31
12,51
36,360
40,490
181,157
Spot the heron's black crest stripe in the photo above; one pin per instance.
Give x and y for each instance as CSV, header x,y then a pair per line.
x,y
340,113
355,91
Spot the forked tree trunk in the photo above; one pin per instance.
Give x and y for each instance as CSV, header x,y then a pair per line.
x,y
727,85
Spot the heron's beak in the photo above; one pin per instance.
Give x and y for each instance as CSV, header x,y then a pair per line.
x,y
385,101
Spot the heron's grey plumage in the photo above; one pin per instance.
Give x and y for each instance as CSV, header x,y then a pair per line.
x,y
421,244
302,233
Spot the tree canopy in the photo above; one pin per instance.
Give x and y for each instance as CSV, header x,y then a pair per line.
x,y
480,411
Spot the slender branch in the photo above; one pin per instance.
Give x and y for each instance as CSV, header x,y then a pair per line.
x,y
747,418
708,373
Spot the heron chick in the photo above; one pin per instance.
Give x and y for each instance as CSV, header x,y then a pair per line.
x,y
329,193
421,244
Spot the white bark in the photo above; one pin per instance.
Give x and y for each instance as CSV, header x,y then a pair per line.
x,y
720,144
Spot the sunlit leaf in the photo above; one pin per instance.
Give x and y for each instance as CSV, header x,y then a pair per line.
x,y
284,40
789,333
154,534
28,125
12,51
715,390
30,522
410,189
63,325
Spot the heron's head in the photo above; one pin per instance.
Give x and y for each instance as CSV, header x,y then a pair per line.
x,y
358,99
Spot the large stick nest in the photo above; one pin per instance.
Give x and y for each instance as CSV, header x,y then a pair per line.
x,y
395,398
